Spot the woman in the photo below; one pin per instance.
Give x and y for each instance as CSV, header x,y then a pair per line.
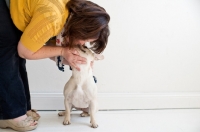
x,y
24,30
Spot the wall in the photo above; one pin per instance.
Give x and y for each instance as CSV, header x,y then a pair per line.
x,y
152,60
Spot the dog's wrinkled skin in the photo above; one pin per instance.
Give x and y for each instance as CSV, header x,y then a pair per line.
x,y
81,91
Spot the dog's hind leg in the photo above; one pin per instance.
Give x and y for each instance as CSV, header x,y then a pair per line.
x,y
68,107
85,112
93,107
62,113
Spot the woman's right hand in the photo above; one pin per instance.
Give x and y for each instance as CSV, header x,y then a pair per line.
x,y
73,58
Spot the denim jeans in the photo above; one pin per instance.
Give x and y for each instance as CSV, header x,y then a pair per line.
x,y
14,88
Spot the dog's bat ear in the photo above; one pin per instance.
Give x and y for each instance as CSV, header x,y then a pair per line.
x,y
98,57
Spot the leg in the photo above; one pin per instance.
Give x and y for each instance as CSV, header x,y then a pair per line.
x,y
24,77
13,104
68,107
13,100
62,113
93,110
69,86
85,112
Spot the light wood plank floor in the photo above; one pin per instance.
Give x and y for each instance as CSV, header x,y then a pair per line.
x,y
172,120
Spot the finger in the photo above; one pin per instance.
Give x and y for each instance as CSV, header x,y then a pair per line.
x,y
75,52
75,66
80,62
82,59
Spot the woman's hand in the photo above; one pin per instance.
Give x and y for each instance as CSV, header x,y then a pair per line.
x,y
64,61
73,58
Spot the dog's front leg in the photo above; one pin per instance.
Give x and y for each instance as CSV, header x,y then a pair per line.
x,y
68,107
93,110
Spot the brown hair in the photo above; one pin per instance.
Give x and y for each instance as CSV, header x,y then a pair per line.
x,y
87,20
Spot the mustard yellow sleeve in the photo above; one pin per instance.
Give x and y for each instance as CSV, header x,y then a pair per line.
x,y
43,26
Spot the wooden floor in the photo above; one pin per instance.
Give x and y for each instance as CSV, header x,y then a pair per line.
x,y
172,120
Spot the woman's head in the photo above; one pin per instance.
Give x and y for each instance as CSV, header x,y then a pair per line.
x,y
87,21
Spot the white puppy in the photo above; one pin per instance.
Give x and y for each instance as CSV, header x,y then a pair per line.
x,y
81,91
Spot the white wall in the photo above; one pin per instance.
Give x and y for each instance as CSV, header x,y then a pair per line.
x,y
153,56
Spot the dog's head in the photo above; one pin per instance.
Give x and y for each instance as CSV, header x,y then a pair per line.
x,y
89,54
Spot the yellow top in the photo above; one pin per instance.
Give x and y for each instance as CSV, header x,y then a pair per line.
x,y
39,20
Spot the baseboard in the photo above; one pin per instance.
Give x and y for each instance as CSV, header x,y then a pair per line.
x,y
122,101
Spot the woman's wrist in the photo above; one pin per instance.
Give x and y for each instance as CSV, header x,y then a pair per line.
x,y
62,51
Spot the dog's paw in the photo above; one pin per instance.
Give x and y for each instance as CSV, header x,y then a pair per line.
x,y
66,122
84,114
62,113
94,125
